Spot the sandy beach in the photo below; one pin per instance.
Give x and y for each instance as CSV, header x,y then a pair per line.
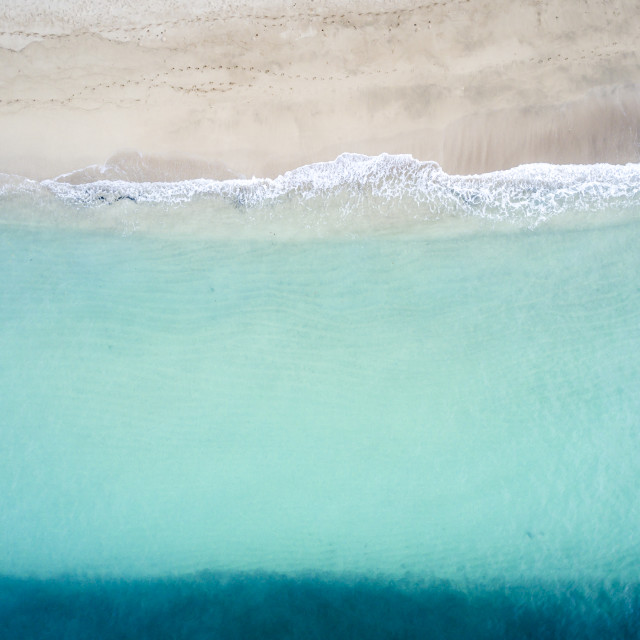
x,y
258,89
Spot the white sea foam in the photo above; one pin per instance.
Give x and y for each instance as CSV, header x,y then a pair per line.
x,y
387,187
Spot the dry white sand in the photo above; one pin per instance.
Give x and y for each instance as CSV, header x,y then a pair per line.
x,y
257,89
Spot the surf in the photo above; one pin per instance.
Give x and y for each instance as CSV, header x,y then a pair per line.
x,y
352,194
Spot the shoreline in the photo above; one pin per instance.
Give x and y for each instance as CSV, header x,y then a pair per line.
x,y
238,91
349,197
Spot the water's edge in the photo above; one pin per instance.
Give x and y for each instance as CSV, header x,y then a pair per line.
x,y
353,194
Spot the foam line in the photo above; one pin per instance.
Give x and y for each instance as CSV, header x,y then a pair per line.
x,y
527,195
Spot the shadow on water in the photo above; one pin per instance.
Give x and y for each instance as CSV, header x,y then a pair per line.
x,y
210,605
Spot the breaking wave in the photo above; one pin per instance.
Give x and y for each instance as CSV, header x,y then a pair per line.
x,y
392,187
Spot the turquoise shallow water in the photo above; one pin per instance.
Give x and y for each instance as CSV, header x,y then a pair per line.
x,y
462,407
435,427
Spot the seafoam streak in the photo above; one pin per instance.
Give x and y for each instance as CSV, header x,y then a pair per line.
x,y
353,193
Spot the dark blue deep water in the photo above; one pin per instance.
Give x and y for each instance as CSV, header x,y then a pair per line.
x,y
274,606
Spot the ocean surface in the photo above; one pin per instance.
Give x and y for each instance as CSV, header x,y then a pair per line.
x,y
365,399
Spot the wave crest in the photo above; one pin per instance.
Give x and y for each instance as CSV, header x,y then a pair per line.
x,y
386,186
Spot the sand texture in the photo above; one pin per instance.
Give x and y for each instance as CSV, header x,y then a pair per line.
x,y
257,89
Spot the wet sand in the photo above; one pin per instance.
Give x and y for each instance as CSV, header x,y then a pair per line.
x,y
244,89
